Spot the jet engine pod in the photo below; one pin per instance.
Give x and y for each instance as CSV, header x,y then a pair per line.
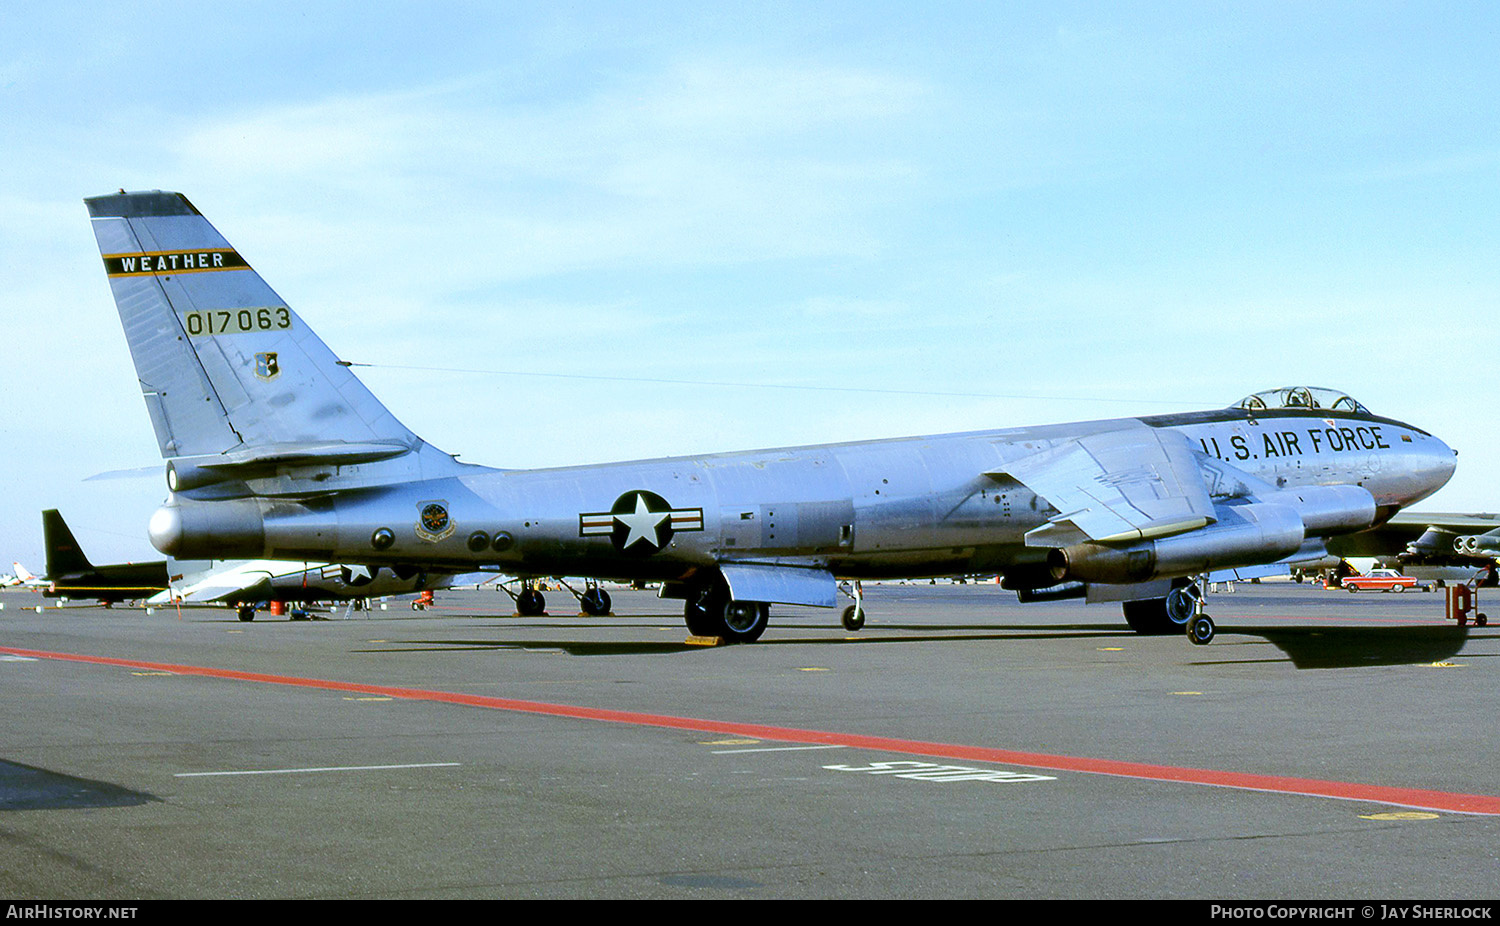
x,y
1244,535
1326,510
1482,544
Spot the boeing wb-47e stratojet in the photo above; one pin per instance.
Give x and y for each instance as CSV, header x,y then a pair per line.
x,y
276,450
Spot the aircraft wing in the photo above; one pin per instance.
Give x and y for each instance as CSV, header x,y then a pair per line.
x,y
1120,485
1420,532
216,584
1457,522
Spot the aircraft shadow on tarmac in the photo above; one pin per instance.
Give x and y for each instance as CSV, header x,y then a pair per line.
x,y
926,633
25,787
1353,647
1307,647
571,647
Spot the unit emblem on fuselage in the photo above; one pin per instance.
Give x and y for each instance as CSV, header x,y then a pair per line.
x,y
640,523
433,522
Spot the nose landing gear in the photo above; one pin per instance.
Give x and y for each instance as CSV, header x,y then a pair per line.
x,y
1200,627
1180,611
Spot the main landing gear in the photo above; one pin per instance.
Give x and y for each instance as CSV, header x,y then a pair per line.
x,y
711,612
530,602
1181,611
593,601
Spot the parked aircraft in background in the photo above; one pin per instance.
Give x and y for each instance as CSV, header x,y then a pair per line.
x,y
71,575
241,585
21,577
1437,545
275,449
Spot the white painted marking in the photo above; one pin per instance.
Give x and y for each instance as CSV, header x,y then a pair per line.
x,y
928,771
297,771
730,752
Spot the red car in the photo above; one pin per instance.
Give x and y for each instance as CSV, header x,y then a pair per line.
x,y
1385,580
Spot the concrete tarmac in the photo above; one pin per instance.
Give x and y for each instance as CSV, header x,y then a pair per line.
x,y
1325,746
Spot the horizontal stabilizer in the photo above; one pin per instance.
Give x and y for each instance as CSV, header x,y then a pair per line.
x,y
292,453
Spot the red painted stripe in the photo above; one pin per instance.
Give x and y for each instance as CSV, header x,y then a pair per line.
x,y
1444,801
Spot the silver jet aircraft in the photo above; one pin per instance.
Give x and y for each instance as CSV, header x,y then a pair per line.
x,y
276,450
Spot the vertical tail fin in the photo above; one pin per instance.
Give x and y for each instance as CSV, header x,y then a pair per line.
x,y
64,555
224,364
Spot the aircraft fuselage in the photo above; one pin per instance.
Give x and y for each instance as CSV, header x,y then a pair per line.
x,y
908,507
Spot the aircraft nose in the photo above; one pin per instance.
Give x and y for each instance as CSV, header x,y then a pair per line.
x,y
1450,462
1442,462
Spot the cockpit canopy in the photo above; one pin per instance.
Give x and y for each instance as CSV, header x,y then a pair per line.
x,y
1301,397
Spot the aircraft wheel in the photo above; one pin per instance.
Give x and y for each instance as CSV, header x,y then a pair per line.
x,y
711,612
530,603
595,602
854,617
245,614
745,621
703,612
1156,616
1481,620
1201,629
698,622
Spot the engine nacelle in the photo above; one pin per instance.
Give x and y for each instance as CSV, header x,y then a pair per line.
x,y
1328,510
1482,544
1244,535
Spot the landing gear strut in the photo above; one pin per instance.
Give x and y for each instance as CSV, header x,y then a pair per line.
x,y
1200,627
854,615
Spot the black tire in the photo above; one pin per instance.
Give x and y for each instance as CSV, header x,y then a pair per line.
x,y
854,618
1201,629
531,603
745,621
712,613
245,613
1158,616
595,602
700,610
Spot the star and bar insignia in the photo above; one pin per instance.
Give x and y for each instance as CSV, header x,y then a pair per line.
x,y
640,522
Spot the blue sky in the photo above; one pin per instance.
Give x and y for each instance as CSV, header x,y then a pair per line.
x,y
926,218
